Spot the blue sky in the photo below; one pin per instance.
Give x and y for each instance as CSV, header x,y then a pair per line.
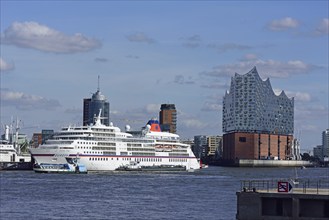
x,y
148,53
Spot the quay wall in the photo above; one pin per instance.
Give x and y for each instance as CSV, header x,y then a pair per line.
x,y
253,205
272,163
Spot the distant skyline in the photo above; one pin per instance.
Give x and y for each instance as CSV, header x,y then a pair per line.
x,y
152,52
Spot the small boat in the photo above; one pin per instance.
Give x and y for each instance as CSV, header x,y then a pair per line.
x,y
164,168
72,166
132,166
135,166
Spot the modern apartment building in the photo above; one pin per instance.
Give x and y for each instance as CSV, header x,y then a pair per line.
x,y
91,107
168,118
257,123
207,146
214,145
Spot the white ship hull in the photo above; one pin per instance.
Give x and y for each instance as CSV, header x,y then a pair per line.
x,y
97,162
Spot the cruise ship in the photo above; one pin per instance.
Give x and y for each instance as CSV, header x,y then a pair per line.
x,y
106,148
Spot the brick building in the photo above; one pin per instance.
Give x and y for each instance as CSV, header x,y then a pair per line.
x,y
168,118
255,146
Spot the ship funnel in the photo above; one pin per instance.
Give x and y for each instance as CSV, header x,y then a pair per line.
x,y
7,132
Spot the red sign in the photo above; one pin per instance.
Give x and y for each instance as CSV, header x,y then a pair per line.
x,y
284,187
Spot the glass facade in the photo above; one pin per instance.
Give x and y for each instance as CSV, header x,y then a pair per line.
x,y
251,106
92,106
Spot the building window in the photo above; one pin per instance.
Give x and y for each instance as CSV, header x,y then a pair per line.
x,y
242,139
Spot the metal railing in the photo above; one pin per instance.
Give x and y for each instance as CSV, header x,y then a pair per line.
x,y
315,186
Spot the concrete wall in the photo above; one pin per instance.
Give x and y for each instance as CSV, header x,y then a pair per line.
x,y
255,205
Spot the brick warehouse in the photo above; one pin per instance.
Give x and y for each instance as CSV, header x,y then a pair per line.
x,y
239,145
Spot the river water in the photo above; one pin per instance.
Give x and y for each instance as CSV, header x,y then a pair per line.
x,y
206,194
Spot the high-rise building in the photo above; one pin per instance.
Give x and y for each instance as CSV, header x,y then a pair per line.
x,y
322,151
168,118
92,106
257,123
325,139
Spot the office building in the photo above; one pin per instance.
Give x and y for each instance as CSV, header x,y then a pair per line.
x,y
214,145
257,123
207,146
92,106
322,151
318,152
36,139
168,118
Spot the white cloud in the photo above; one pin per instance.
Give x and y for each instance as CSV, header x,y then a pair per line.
x,y
283,24
24,101
180,79
214,85
193,123
73,110
130,56
101,60
152,108
5,66
311,112
249,56
299,96
266,68
192,42
140,37
211,106
40,37
228,46
323,27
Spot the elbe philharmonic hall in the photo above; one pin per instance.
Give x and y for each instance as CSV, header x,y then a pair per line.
x,y
257,123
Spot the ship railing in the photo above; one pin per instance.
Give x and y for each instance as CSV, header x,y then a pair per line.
x,y
304,186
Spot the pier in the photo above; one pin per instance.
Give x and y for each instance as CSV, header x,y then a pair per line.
x,y
283,199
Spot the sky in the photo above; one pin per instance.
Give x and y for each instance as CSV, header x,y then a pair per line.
x,y
152,52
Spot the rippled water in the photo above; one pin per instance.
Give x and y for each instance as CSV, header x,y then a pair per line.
x,y
206,194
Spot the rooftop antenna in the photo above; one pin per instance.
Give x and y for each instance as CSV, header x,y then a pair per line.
x,y
98,85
